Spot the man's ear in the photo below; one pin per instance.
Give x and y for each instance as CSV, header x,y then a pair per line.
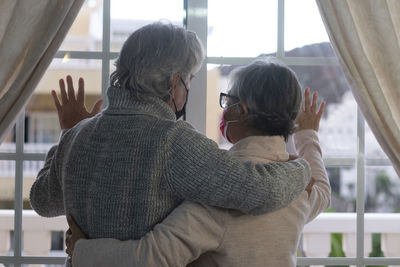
x,y
244,112
175,80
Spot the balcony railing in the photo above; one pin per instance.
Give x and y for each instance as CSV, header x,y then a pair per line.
x,y
316,235
317,238
28,147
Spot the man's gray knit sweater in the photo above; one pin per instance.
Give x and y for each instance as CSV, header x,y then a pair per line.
x,y
124,170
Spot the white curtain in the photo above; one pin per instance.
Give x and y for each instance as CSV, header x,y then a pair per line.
x,y
365,35
30,34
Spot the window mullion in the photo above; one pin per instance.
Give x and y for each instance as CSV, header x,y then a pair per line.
x,y
281,29
197,21
105,66
292,61
360,187
78,54
18,198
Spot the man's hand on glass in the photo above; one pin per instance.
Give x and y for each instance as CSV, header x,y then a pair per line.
x,y
72,109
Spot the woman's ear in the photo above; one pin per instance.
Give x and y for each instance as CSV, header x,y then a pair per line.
x,y
244,112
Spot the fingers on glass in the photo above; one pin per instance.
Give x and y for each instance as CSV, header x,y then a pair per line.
x,y
321,109
71,91
81,91
56,101
314,102
64,97
310,105
307,99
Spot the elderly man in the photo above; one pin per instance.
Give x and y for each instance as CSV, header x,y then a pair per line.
x,y
121,172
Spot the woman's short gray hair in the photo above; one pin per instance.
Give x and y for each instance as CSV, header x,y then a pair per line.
x,y
152,55
271,92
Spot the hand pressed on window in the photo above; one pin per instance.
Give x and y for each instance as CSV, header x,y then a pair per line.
x,y
72,109
309,117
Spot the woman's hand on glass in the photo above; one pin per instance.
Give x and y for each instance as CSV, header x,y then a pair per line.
x,y
310,116
72,235
72,109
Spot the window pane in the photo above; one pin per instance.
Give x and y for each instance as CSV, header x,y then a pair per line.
x,y
86,32
42,128
343,180
8,144
382,207
31,169
42,236
372,148
304,28
382,190
217,82
241,29
340,219
338,127
7,184
128,16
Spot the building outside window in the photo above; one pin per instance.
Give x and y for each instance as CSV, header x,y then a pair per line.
x,y
364,216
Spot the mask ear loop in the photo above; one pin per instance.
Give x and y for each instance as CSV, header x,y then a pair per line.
x,y
181,112
228,122
173,101
171,97
226,129
187,93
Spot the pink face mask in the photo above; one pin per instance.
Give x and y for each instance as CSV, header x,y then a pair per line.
x,y
223,126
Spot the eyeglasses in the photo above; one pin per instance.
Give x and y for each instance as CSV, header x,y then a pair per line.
x,y
226,100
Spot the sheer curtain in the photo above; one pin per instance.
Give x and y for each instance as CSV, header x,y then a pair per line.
x,y
30,34
365,35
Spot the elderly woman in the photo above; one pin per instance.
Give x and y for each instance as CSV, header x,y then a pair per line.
x,y
124,170
259,114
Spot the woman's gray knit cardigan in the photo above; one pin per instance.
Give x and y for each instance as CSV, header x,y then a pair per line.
x,y
124,170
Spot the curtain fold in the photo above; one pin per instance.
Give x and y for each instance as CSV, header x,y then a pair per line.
x,y
30,34
365,35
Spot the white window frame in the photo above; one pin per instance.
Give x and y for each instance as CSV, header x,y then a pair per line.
x,y
196,20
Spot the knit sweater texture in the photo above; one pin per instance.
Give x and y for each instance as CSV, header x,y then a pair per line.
x,y
210,236
124,170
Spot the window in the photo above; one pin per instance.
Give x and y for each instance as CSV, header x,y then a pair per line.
x,y
362,178
363,220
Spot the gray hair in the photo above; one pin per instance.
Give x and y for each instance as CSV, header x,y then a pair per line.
x,y
271,92
152,55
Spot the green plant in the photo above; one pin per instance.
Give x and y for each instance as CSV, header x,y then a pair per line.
x,y
376,248
336,247
383,184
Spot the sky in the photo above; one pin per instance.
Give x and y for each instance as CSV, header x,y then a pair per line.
x,y
237,28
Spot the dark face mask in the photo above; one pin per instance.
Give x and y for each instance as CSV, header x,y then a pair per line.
x,y
181,112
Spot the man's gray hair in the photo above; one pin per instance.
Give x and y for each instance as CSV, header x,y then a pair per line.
x,y
271,92
152,55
